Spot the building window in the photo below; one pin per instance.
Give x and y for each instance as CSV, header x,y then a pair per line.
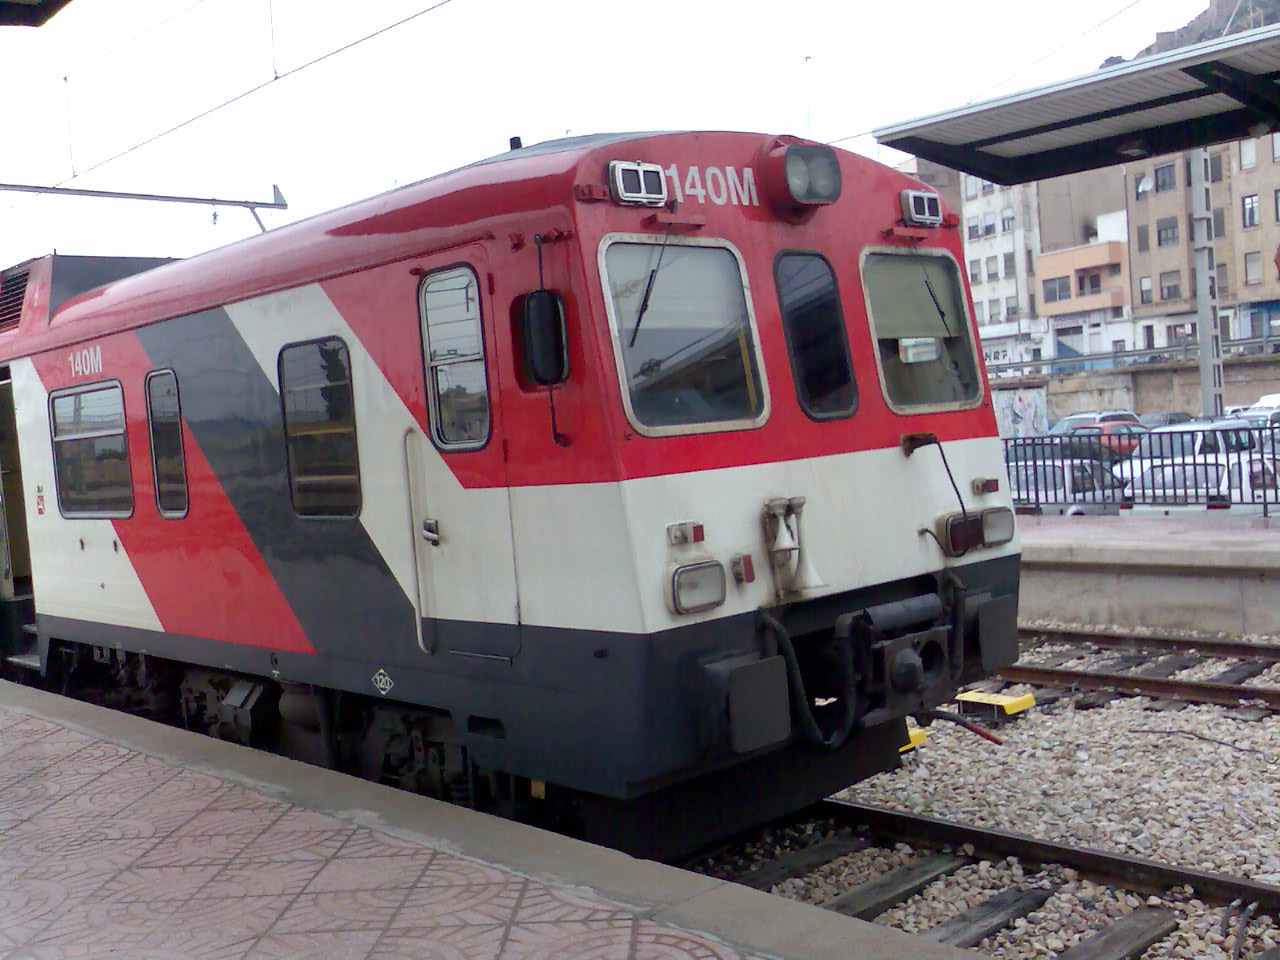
x,y
1010,265
1171,285
1149,337
1011,308
1167,232
1031,263
453,345
90,453
975,271
320,428
1089,283
989,224
1252,268
972,228
1114,269
1140,186
1166,177
1117,346
1006,219
164,414
1249,210
993,310
1144,238
979,309
970,187
1220,279
993,268
1248,154
1220,218
1059,288
1277,204
988,187
1144,290
816,337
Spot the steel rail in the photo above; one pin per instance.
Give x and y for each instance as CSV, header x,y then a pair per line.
x,y
1210,646
1135,872
1192,691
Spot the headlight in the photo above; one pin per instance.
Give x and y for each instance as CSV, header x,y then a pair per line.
x,y
802,175
698,586
997,526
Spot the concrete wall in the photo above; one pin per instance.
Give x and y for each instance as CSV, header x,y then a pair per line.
x,y
1148,387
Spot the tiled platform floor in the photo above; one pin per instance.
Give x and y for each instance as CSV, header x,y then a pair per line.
x,y
106,852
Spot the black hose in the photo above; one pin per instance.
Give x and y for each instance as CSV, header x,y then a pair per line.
x,y
846,680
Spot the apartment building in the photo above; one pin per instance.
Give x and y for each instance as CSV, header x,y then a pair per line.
x,y
1001,238
1085,293
1243,184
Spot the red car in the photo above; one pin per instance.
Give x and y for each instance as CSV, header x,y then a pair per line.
x,y
1118,435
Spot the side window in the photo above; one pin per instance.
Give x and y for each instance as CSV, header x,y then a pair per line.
x,y
320,428
453,344
164,414
90,453
816,337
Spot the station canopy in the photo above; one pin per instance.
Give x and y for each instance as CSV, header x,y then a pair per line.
x,y
1212,92
28,13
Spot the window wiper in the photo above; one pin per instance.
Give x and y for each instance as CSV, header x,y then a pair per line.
x,y
942,314
648,290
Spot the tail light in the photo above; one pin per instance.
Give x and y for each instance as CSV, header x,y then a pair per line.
x,y
990,528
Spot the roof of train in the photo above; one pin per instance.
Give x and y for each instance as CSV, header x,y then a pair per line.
x,y
379,229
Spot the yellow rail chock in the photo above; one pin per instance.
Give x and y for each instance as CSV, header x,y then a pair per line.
x,y
994,705
915,737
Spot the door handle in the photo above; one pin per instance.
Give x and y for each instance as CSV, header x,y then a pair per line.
x,y
431,532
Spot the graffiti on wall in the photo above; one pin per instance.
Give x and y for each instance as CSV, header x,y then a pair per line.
x,y
1021,412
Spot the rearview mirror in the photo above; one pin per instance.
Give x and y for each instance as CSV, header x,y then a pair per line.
x,y
542,338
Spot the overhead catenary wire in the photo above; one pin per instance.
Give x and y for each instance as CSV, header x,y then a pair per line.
x,y
277,76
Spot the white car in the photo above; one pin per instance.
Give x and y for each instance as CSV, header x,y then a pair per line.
x,y
1220,441
1247,485
1064,487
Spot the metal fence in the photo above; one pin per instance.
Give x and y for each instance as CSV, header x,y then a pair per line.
x,y
1209,467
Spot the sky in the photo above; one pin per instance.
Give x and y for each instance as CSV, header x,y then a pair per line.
x,y
289,92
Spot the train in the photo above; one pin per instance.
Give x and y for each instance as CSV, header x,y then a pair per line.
x,y
638,485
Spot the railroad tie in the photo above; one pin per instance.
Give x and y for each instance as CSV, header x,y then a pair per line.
x,y
975,925
802,861
870,899
1127,937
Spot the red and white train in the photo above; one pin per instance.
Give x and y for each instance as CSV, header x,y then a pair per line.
x,y
640,484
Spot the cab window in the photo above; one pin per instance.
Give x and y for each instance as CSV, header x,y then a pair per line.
x,y
816,339
453,345
917,309
684,337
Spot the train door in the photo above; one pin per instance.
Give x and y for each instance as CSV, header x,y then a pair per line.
x,y
16,603
461,517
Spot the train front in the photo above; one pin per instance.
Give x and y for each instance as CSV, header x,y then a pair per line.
x,y
814,493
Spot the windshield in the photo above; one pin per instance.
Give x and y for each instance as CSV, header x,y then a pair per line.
x,y
921,329
684,335
1166,446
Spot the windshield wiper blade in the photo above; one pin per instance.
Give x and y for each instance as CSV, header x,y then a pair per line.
x,y
648,290
936,305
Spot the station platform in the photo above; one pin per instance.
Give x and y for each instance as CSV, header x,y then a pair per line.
x,y
1209,572
121,838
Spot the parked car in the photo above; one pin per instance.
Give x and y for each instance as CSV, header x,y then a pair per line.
x,y
1071,421
1220,441
1067,447
1064,487
1163,418
1248,485
1119,435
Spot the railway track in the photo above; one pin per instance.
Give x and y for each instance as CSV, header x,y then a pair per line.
x,y
1148,665
944,847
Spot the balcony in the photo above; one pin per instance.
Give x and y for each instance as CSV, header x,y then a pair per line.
x,y
1111,295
